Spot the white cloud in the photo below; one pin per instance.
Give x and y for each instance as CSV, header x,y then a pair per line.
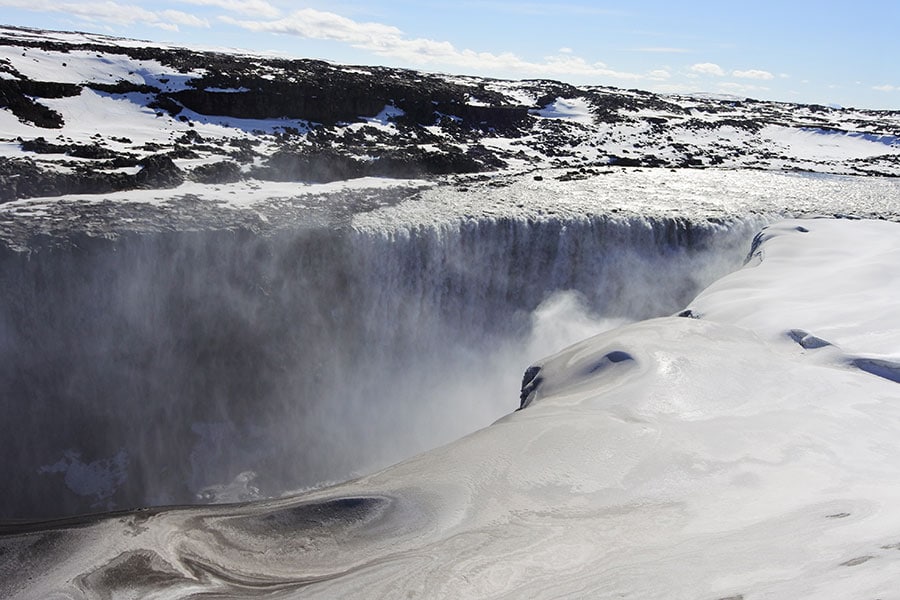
x,y
753,74
708,69
176,17
389,41
112,12
258,8
319,25
659,74
886,88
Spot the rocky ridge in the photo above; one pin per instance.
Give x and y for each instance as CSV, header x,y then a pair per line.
x,y
84,113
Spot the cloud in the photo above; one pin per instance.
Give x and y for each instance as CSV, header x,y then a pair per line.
x,y
659,74
389,41
319,25
886,88
753,74
708,69
257,8
112,12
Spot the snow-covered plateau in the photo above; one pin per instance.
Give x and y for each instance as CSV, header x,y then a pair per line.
x,y
264,324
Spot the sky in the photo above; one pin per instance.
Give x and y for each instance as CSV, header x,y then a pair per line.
x,y
823,52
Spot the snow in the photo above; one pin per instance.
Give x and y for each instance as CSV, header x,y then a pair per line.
x,y
670,458
387,114
116,116
239,90
646,193
623,192
81,66
850,313
570,109
239,195
233,127
819,144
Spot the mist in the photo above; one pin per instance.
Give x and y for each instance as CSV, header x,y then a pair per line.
x,y
215,366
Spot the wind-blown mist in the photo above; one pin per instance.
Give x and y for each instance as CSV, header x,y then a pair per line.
x,y
198,366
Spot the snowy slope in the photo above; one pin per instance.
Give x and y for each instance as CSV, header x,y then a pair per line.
x,y
721,456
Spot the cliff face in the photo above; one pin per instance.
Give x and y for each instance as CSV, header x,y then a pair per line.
x,y
90,114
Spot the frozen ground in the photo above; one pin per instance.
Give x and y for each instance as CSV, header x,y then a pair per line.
x,y
744,451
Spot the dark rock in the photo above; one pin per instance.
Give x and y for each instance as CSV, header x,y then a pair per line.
x,y
312,166
166,104
624,161
158,172
15,98
530,382
123,87
40,145
220,172
47,89
495,118
415,162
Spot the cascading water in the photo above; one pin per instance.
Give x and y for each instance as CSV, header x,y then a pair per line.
x,y
153,368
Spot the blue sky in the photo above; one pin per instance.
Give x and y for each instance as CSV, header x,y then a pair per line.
x,y
813,52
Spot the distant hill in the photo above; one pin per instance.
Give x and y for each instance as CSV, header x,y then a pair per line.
x,y
83,113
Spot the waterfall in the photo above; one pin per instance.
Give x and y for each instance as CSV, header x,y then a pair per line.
x,y
156,368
